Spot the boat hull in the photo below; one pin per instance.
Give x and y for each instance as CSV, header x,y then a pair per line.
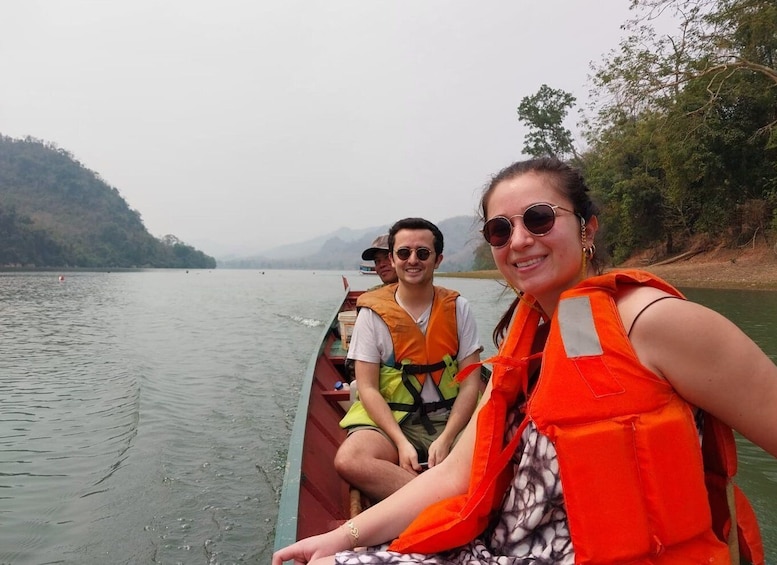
x,y
314,498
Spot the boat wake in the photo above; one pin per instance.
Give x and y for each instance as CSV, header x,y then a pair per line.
x,y
307,322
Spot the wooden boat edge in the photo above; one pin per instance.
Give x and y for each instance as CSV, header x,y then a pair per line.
x,y
287,522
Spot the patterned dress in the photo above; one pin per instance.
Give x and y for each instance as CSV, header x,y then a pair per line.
x,y
530,528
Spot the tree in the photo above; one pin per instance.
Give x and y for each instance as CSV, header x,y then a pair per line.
x,y
687,131
484,260
544,114
717,41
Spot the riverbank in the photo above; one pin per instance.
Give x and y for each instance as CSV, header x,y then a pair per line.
x,y
753,268
755,271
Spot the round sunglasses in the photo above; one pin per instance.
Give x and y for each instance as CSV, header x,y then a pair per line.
x,y
404,253
538,219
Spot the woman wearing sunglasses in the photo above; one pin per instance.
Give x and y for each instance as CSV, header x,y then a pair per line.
x,y
604,435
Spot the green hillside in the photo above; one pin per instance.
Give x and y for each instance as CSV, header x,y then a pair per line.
x,y
54,212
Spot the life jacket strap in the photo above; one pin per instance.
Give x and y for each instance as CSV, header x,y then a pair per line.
x,y
414,369
427,406
418,404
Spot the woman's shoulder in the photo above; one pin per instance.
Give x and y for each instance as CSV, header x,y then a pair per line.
x,y
633,300
638,294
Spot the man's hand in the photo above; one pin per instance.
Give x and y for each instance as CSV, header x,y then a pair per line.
x,y
408,457
438,450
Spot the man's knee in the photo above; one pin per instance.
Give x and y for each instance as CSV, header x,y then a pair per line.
x,y
344,459
361,446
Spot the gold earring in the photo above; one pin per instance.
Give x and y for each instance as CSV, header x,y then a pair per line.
x,y
584,262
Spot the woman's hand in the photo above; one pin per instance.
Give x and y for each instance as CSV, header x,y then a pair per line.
x,y
312,548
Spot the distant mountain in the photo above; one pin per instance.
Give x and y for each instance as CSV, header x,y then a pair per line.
x,y
343,235
342,249
54,212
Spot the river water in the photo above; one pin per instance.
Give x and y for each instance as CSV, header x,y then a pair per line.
x,y
144,416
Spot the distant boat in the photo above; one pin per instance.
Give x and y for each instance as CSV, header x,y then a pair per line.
x,y
367,268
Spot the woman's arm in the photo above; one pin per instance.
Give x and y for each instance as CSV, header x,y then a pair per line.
x,y
710,362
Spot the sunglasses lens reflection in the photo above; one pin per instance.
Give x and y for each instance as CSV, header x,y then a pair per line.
x,y
538,219
497,231
404,253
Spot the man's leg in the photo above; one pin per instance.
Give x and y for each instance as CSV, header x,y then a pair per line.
x,y
368,460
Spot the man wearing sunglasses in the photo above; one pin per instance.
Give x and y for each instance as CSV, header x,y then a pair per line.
x,y
410,341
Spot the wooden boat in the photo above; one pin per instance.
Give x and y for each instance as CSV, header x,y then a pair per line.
x,y
314,498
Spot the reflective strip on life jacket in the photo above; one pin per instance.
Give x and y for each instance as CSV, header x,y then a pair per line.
x,y
578,332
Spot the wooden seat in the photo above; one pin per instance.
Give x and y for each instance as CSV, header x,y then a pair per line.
x,y
356,502
339,398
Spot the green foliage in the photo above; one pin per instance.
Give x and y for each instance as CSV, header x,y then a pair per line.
x,y
54,212
185,256
686,147
544,114
484,260
22,244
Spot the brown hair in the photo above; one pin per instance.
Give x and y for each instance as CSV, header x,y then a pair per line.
x,y
568,180
416,224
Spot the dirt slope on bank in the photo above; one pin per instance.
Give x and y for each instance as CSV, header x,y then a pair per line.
x,y
745,268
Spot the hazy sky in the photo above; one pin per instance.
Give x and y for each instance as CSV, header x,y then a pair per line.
x,y
243,124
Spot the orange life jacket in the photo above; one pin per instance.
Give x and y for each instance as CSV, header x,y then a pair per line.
x,y
410,343
415,355
632,472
